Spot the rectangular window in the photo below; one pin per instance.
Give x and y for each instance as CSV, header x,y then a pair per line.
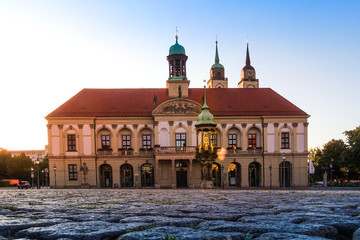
x,y
126,143
285,143
71,142
72,172
105,141
213,139
180,140
146,141
232,141
252,141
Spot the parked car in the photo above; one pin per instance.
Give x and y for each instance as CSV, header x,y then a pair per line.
x,y
23,184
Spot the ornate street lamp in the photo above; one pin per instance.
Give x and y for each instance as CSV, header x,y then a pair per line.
x,y
284,158
55,173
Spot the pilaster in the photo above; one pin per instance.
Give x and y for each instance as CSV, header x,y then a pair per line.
x,y
277,141
114,140
81,140
294,141
189,134
62,140
49,126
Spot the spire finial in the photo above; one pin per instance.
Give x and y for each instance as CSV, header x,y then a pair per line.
x,y
176,35
217,60
247,61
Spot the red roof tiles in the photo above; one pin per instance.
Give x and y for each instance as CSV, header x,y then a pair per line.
x,y
139,102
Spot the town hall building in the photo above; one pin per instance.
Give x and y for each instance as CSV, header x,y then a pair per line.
x,y
147,138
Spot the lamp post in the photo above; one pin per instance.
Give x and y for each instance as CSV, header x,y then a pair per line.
x,y
37,162
270,168
284,158
32,177
331,179
46,176
55,173
221,176
42,175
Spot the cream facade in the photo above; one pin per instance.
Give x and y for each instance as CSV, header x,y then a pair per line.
x,y
152,143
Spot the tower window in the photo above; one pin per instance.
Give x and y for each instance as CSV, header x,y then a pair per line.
x,y
213,139
146,141
105,141
126,142
72,172
232,141
252,141
71,142
180,140
285,143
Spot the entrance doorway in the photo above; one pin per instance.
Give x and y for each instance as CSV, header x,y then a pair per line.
x,y
126,176
181,179
254,174
234,172
147,175
285,174
106,176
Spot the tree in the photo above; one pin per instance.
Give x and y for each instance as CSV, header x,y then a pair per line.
x,y
352,156
19,167
334,152
4,157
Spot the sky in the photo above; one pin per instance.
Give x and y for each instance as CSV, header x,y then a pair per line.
x,y
307,51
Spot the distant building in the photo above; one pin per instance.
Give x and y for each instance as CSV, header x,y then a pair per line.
x,y
33,154
147,138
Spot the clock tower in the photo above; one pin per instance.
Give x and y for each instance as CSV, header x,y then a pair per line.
x,y
248,74
177,83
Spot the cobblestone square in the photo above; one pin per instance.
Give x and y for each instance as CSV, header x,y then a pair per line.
x,y
184,214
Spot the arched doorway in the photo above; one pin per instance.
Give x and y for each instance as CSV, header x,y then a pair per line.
x,y
254,174
106,176
147,175
181,173
285,174
126,176
216,174
234,172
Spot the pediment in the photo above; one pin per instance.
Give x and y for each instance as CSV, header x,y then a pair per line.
x,y
178,107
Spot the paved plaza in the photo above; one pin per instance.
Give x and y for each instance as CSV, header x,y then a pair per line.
x,y
179,214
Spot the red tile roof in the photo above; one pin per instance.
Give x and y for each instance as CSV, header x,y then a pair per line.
x,y
139,102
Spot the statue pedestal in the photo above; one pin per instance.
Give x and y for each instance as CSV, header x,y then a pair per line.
x,y
85,185
206,184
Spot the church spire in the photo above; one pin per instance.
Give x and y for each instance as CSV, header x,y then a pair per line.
x,y
217,60
247,61
248,74
217,72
